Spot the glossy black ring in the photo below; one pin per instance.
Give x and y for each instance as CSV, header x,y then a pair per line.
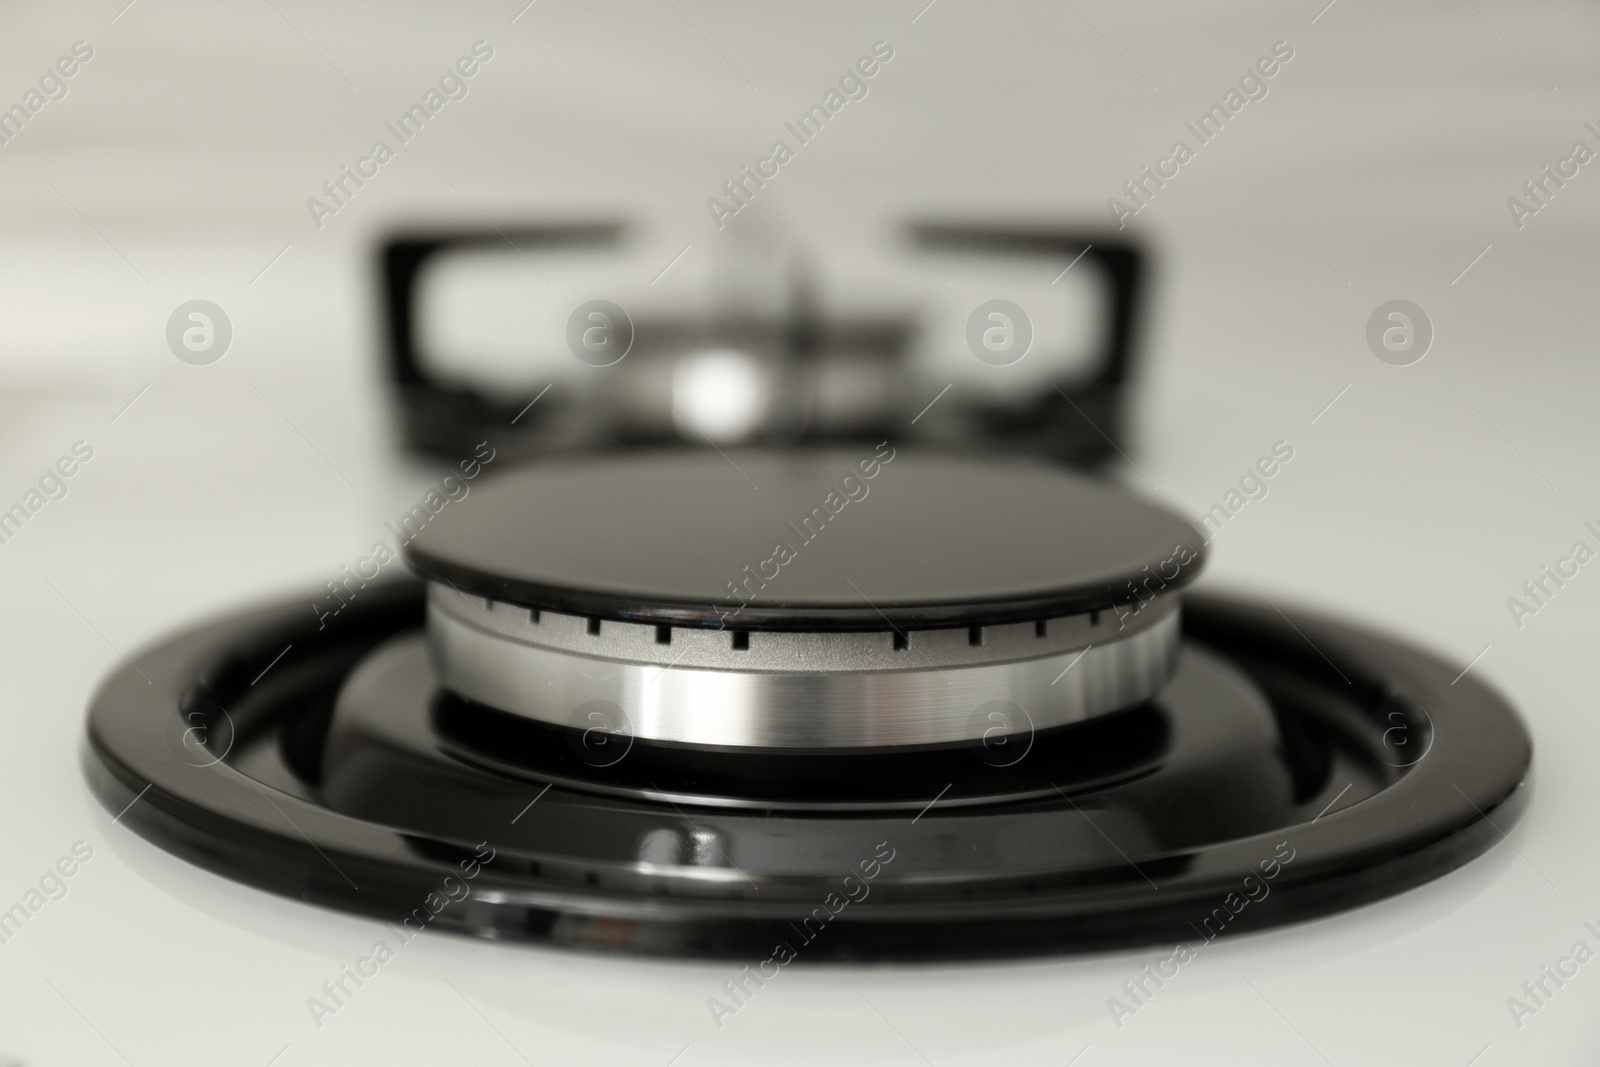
x,y
270,828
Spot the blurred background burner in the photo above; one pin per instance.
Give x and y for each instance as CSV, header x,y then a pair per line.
x,y
760,343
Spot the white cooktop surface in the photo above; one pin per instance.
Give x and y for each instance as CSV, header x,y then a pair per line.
x,y
1377,167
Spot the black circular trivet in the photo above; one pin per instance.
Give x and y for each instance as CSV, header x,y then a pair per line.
x,y
1293,767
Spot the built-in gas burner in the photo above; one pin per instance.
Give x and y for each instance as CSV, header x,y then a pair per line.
x,y
866,703
828,600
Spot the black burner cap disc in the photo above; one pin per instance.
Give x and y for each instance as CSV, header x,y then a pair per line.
x,y
843,539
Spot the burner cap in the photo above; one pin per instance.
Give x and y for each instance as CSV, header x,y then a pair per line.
x,y
870,539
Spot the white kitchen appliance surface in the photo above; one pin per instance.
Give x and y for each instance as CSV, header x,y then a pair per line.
x,y
1384,160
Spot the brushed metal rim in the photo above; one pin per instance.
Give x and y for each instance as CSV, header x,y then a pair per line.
x,y
819,708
